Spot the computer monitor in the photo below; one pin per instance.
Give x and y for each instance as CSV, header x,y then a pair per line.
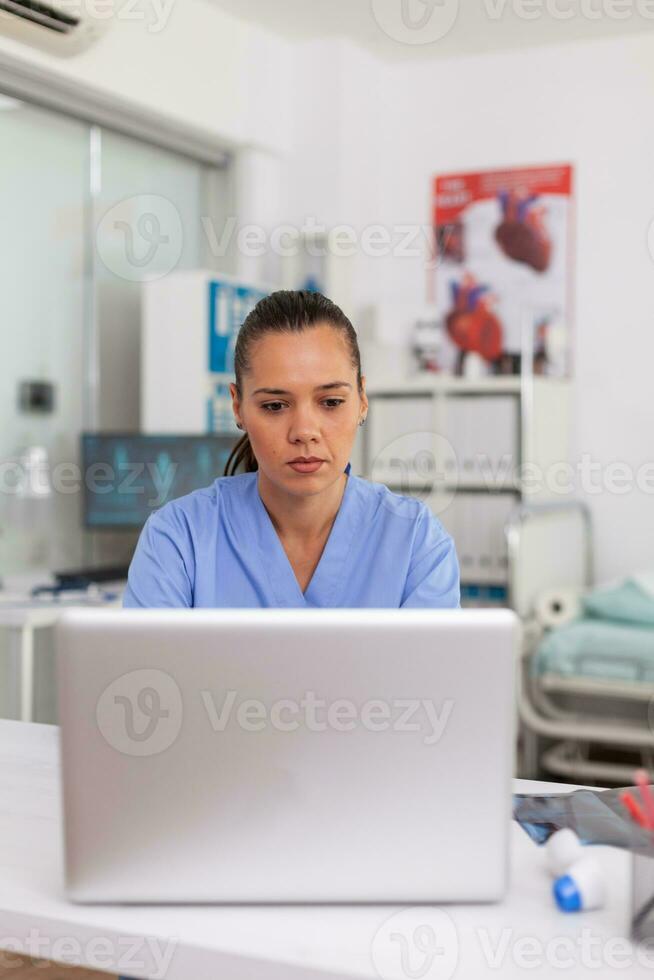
x,y
127,476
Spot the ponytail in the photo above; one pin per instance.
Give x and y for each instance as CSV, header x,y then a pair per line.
x,y
241,454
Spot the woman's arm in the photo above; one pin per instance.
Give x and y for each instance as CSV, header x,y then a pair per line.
x,y
433,578
162,570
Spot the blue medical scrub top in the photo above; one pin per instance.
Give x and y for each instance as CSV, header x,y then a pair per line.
x,y
217,547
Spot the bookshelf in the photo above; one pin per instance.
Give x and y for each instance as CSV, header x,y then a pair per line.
x,y
471,450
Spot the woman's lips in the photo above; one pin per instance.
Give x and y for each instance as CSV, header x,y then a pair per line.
x,y
307,467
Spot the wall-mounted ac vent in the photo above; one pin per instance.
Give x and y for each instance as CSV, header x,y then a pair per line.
x,y
59,26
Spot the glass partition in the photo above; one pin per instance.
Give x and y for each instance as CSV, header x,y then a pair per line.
x,y
86,215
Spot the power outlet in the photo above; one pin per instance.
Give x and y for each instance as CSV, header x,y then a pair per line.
x,y
36,396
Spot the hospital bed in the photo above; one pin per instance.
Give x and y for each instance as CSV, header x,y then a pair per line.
x,y
585,688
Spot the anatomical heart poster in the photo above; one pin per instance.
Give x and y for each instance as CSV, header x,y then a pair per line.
x,y
502,283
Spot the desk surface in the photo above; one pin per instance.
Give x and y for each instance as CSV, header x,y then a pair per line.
x,y
523,936
19,610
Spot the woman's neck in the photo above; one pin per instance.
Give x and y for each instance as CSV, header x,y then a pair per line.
x,y
301,518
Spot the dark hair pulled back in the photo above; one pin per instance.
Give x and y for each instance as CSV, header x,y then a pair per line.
x,y
286,311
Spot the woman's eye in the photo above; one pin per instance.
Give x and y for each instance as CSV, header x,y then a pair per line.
x,y
275,407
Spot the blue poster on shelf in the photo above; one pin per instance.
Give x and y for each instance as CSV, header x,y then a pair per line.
x,y
229,304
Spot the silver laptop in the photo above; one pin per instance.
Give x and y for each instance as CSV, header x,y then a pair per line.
x,y
283,755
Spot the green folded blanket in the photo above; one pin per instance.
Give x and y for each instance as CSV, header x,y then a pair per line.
x,y
631,602
612,640
597,648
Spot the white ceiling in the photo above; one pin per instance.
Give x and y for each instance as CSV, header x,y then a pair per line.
x,y
477,25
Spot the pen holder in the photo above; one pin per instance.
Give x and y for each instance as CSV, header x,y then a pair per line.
x,y
642,896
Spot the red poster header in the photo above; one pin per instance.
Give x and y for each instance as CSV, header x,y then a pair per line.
x,y
454,192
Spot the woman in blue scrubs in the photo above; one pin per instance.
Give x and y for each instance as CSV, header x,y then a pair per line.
x,y
296,528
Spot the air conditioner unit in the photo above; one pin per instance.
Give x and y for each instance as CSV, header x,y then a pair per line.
x,y
62,27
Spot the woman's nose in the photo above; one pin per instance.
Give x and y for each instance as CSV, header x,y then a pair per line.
x,y
304,424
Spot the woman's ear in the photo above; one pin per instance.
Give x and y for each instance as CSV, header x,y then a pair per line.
x,y
236,404
364,397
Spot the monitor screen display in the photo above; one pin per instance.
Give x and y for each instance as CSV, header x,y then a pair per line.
x,y
127,477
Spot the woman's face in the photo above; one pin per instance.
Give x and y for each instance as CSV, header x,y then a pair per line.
x,y
309,406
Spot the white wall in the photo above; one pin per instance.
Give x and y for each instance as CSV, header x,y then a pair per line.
x,y
587,103
331,132
372,141
196,64
334,172
369,136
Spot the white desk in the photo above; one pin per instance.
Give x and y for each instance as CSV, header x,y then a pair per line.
x,y
287,942
21,615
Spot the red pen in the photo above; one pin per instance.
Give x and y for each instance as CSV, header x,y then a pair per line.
x,y
635,811
642,781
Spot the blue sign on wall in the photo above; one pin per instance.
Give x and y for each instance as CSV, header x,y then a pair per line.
x,y
229,304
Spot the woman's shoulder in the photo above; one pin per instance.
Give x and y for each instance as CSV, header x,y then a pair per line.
x,y
394,504
410,518
191,508
411,526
